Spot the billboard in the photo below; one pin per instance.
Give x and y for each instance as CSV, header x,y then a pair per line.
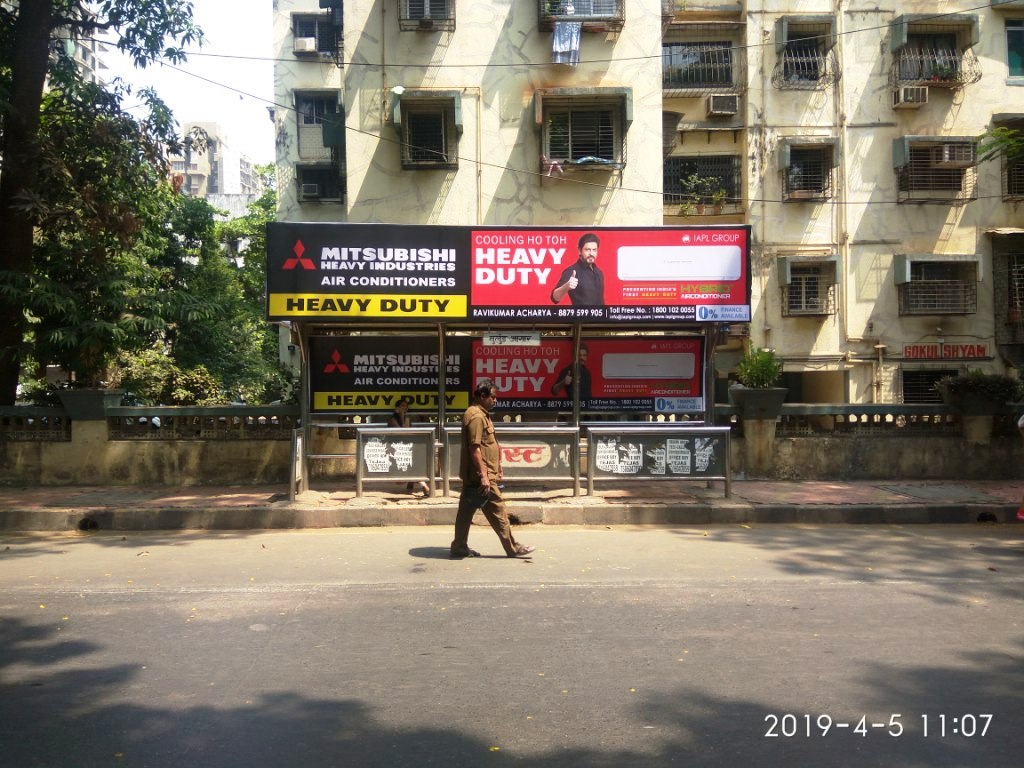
x,y
361,374
505,275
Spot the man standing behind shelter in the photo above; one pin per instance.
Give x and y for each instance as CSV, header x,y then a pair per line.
x,y
480,471
582,280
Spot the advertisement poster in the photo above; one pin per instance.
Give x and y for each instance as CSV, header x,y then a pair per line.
x,y
510,276
367,374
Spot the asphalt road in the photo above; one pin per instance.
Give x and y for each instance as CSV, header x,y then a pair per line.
x,y
725,646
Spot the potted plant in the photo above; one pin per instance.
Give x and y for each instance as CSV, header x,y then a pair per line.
x,y
697,189
757,395
979,394
977,397
718,200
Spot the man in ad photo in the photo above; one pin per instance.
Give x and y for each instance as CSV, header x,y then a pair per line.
x,y
583,280
562,386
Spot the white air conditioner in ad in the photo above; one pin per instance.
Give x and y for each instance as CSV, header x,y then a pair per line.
x,y
723,104
678,263
651,365
305,45
910,97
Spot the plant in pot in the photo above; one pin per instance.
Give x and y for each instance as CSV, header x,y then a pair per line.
x,y
757,395
718,200
697,189
979,394
977,397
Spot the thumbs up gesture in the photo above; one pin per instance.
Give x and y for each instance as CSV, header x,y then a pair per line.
x,y
573,281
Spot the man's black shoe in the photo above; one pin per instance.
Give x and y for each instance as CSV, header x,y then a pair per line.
x,y
454,555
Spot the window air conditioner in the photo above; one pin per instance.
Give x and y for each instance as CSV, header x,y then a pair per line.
x,y
910,97
953,156
305,45
723,104
310,191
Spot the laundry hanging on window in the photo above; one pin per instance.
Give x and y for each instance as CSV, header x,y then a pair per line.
x,y
565,43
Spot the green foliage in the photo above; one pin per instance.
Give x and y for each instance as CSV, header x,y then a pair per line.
x,y
759,369
1001,142
995,387
703,189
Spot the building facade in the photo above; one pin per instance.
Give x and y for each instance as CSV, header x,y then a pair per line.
x,y
886,250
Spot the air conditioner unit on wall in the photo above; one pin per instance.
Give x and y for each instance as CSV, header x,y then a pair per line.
x,y
310,191
723,104
953,156
305,45
910,97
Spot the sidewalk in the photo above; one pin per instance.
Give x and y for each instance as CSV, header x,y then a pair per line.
x,y
641,503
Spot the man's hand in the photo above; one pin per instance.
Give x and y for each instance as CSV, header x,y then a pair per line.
x,y
569,285
573,281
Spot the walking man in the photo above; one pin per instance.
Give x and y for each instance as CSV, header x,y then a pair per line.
x,y
480,471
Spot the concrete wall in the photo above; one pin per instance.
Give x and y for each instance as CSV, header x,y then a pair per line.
x,y
91,459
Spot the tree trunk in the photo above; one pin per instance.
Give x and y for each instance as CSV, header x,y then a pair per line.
x,y
20,164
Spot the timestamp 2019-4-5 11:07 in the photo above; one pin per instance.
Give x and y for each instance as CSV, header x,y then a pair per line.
x,y
941,726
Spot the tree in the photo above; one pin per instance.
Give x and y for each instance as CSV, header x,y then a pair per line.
x,y
147,30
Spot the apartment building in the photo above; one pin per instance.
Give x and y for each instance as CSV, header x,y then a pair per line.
x,y
885,252
216,168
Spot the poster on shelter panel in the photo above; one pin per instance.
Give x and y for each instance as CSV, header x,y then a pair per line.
x,y
374,273
361,374
616,374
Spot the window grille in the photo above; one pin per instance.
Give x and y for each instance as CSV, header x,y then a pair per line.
x,y
935,51
323,29
919,386
724,170
320,183
940,288
938,172
809,173
702,65
1016,286
1013,178
806,57
595,15
427,138
811,290
426,15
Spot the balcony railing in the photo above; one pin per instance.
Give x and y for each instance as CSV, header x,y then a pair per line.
x,y
934,67
594,15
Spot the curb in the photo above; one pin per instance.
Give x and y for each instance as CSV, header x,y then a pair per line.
x,y
288,516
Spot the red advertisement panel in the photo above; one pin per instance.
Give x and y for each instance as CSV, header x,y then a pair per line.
x,y
623,374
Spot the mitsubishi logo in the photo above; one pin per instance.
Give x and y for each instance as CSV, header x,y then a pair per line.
x,y
336,366
297,260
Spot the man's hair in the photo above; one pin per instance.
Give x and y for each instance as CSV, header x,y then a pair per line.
x,y
590,237
401,400
483,387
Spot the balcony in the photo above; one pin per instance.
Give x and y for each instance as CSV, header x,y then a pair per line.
x,y
594,15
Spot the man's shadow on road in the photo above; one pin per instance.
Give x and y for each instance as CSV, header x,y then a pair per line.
x,y
442,553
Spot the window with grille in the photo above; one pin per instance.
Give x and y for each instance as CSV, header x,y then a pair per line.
x,y
940,288
697,65
934,50
1016,286
919,386
429,134
595,15
804,52
939,172
582,135
427,15
724,170
319,183
315,33
312,109
811,289
807,172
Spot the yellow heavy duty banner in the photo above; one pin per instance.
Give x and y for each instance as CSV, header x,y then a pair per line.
x,y
355,305
361,401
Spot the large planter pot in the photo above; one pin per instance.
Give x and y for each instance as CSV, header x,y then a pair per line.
x,y
758,403
89,404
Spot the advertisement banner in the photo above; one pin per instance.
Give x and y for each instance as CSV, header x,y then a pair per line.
x,y
369,374
621,374
503,275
